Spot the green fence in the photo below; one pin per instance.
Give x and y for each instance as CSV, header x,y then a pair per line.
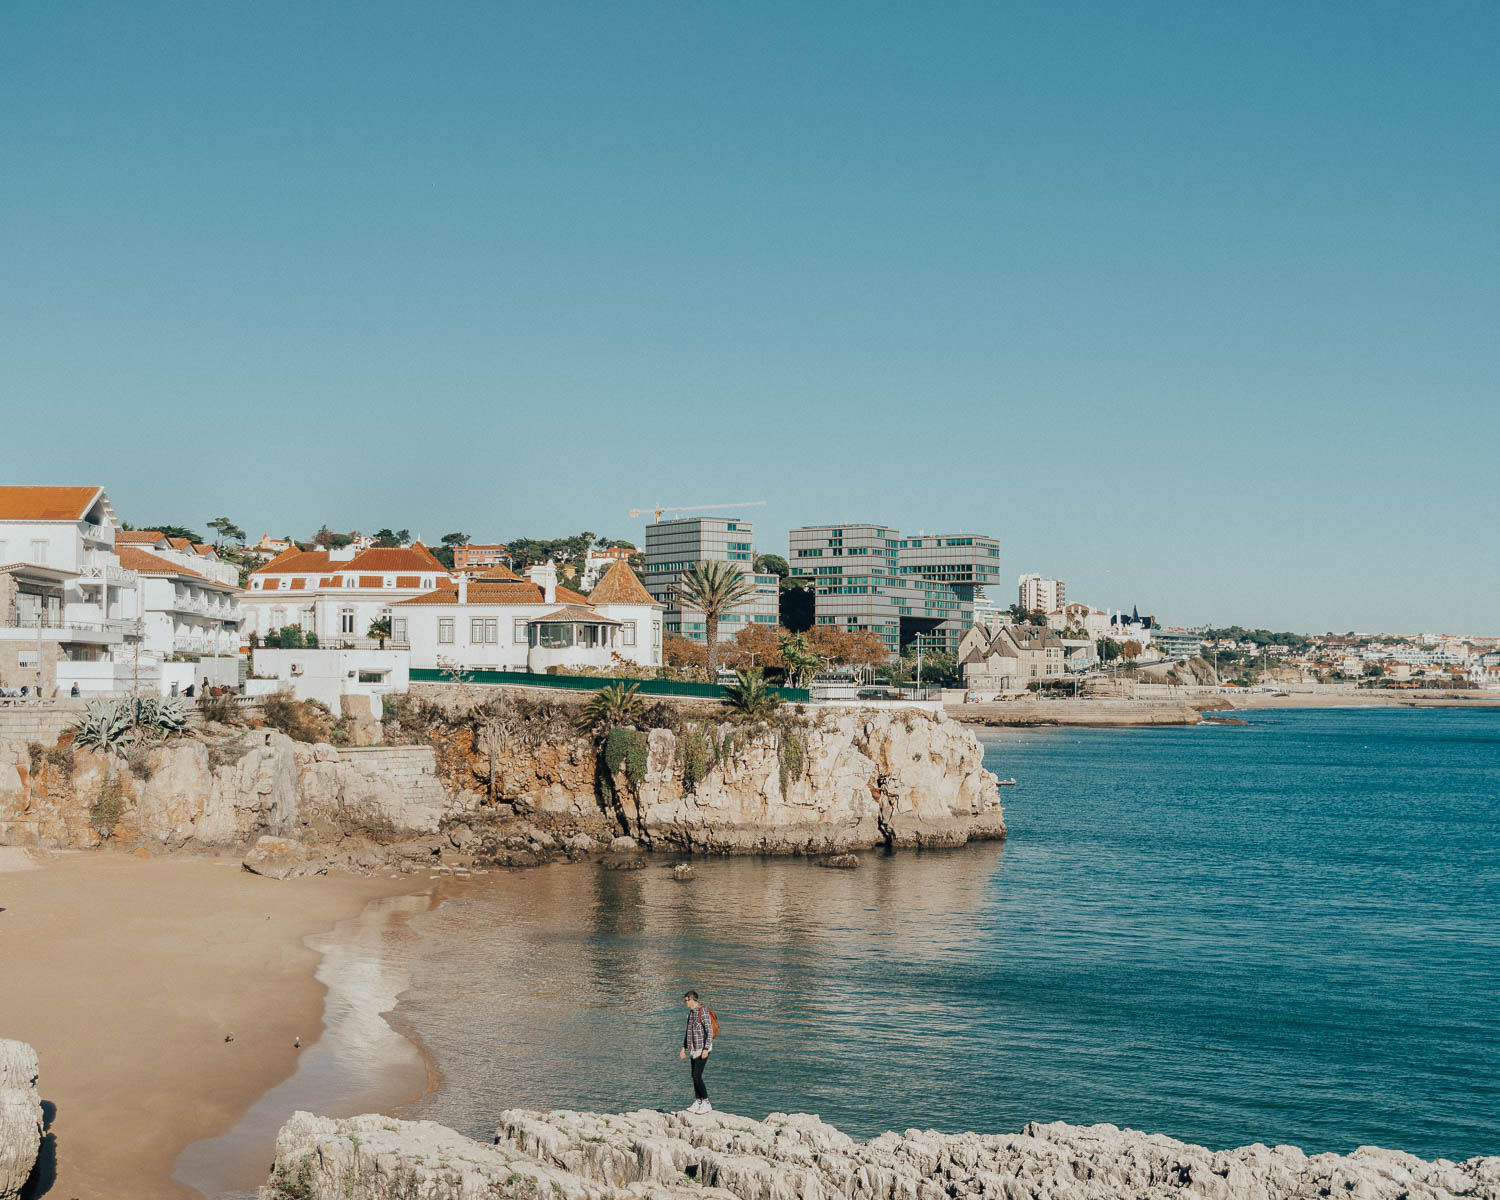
x,y
592,683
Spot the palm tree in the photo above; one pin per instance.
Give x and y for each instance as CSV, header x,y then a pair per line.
x,y
750,696
612,705
713,587
380,628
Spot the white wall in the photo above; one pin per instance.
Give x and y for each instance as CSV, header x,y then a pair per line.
x,y
328,674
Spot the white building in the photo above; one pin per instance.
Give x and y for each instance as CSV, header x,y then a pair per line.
x,y
598,560
1037,592
532,624
338,594
190,623
68,610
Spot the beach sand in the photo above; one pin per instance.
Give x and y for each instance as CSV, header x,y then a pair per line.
x,y
127,974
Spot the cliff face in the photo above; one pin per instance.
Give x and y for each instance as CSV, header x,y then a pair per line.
x,y
513,792
587,1156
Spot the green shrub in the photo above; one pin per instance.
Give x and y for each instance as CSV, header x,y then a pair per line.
x,y
793,757
107,807
695,756
219,708
627,748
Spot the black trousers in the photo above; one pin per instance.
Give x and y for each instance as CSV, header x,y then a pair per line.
x,y
699,1091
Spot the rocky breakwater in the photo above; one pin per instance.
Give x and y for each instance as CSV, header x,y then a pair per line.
x,y
832,781
588,1156
20,1116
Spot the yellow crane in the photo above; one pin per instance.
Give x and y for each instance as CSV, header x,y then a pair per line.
x,y
659,509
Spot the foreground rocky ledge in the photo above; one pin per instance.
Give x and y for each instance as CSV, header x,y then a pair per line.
x,y
588,1156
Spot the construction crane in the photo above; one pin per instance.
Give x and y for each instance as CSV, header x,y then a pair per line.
x,y
659,509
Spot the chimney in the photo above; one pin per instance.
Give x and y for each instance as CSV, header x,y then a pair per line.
x,y
463,587
545,577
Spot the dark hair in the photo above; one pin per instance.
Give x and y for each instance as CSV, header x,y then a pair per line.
x,y
690,995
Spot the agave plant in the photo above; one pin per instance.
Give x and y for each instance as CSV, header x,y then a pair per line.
x,y
751,696
161,715
103,725
613,705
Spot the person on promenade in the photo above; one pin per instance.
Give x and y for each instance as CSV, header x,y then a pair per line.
x,y
697,1044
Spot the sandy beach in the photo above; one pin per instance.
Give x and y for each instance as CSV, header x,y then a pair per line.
x,y
128,974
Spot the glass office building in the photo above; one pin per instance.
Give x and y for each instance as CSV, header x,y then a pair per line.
x,y
872,577
673,546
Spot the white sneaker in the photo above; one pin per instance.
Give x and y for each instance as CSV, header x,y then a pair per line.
x,y
694,1107
707,1107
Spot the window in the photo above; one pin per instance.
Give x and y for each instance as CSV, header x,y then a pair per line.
x,y
445,630
390,581
398,629
39,550
483,630
627,634
656,633
518,631
372,677
346,620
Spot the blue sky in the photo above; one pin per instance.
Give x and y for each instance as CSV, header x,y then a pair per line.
x,y
1194,306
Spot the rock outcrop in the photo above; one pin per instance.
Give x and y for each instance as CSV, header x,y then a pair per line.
x,y
840,780
587,1156
20,1116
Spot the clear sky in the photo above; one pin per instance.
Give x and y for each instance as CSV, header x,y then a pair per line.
x,y
1197,306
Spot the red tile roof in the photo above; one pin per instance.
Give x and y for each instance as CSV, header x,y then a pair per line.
x,y
296,562
46,503
370,581
620,585
408,581
482,592
145,563
137,537
415,557
569,596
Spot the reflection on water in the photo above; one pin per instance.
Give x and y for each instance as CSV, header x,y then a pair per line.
x,y
350,1069
562,987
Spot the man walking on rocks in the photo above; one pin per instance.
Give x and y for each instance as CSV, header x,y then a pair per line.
x,y
697,1043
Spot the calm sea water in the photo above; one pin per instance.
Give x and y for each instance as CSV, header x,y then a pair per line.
x,y
1285,932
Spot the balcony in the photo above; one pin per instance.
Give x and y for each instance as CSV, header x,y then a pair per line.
x,y
107,574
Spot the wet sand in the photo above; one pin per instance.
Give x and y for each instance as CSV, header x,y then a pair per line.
x,y
126,975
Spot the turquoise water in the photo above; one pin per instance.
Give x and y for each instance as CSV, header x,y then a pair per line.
x,y
1284,932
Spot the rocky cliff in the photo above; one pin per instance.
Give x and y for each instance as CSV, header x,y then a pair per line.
x,y
20,1116
586,1156
514,786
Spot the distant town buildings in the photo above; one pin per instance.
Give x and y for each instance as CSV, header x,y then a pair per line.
x,y
470,555
1036,593
900,588
598,560
673,546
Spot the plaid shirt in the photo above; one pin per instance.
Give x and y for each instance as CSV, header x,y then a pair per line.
x,y
700,1031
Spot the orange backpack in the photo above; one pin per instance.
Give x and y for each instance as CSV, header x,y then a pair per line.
x,y
713,1020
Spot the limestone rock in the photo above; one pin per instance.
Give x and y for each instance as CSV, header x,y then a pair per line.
x,y
623,844
581,1156
581,843
20,1116
683,871
277,858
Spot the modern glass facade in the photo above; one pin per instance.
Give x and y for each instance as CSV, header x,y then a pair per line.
x,y
673,546
871,577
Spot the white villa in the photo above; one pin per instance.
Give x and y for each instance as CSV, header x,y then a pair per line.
x,y
337,594
505,623
68,609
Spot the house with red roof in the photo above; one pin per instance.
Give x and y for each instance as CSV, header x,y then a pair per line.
x,y
507,623
337,594
68,609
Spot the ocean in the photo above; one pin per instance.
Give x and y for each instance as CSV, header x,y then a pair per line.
x,y
1287,931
